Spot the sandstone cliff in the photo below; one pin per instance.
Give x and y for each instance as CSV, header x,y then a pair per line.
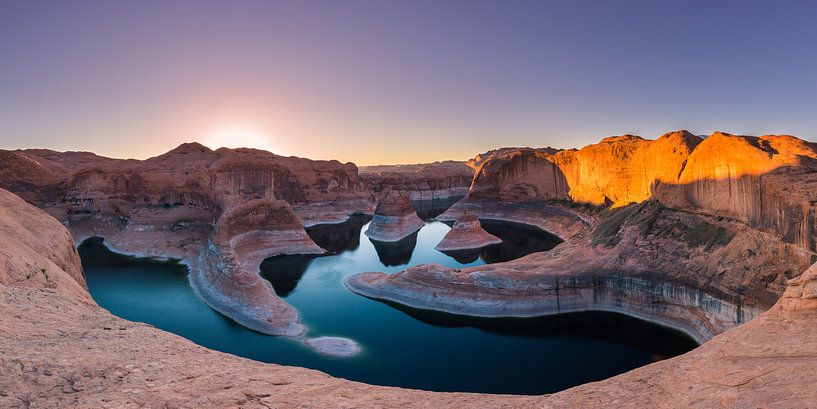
x,y
427,181
58,349
766,182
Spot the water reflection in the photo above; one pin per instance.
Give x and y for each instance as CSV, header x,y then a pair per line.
x,y
396,253
429,209
518,240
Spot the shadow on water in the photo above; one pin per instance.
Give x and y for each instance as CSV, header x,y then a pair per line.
x,y
429,209
336,238
397,253
660,341
95,254
518,240
284,272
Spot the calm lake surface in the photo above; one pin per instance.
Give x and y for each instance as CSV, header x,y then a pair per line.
x,y
401,346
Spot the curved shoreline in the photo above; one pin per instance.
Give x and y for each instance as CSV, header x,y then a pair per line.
x,y
701,319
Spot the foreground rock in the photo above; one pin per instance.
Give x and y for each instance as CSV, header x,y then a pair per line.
x,y
59,349
467,234
394,218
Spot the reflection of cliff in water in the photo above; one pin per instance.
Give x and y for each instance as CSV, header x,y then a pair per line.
x,y
429,209
518,240
396,253
284,272
95,254
336,238
598,325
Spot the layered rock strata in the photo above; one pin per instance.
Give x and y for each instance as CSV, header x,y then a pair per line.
x,y
59,349
467,234
767,182
222,212
687,271
394,218
225,275
427,181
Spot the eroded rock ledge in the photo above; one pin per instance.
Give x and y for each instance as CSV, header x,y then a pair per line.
x,y
677,269
59,349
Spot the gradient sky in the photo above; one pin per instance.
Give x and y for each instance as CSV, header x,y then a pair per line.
x,y
399,82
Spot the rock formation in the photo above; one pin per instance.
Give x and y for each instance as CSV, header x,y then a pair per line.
x,y
427,181
764,181
221,211
467,234
225,274
59,349
687,271
394,218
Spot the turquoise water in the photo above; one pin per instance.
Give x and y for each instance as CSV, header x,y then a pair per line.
x,y
401,347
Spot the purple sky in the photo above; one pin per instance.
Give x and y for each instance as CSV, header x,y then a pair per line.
x,y
387,81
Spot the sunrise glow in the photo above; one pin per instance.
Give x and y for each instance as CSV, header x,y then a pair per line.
x,y
239,137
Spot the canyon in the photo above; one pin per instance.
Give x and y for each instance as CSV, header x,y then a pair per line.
x,y
712,236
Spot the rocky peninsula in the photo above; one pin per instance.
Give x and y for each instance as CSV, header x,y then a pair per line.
x,y
394,218
467,234
713,236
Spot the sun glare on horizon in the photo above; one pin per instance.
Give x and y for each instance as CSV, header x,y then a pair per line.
x,y
239,137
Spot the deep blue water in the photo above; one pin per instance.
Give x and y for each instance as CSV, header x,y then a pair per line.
x,y
401,347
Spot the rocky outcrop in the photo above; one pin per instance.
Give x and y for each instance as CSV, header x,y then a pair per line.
x,y
467,234
36,251
394,218
225,275
478,160
616,171
222,212
59,349
691,272
521,175
767,182
427,181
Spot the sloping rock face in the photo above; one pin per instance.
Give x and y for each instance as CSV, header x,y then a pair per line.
x,y
466,234
623,169
36,251
394,219
427,181
59,349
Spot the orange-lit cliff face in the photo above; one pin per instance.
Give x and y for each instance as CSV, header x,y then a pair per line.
x,y
763,181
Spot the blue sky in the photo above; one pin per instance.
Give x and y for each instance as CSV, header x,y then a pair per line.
x,y
387,81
